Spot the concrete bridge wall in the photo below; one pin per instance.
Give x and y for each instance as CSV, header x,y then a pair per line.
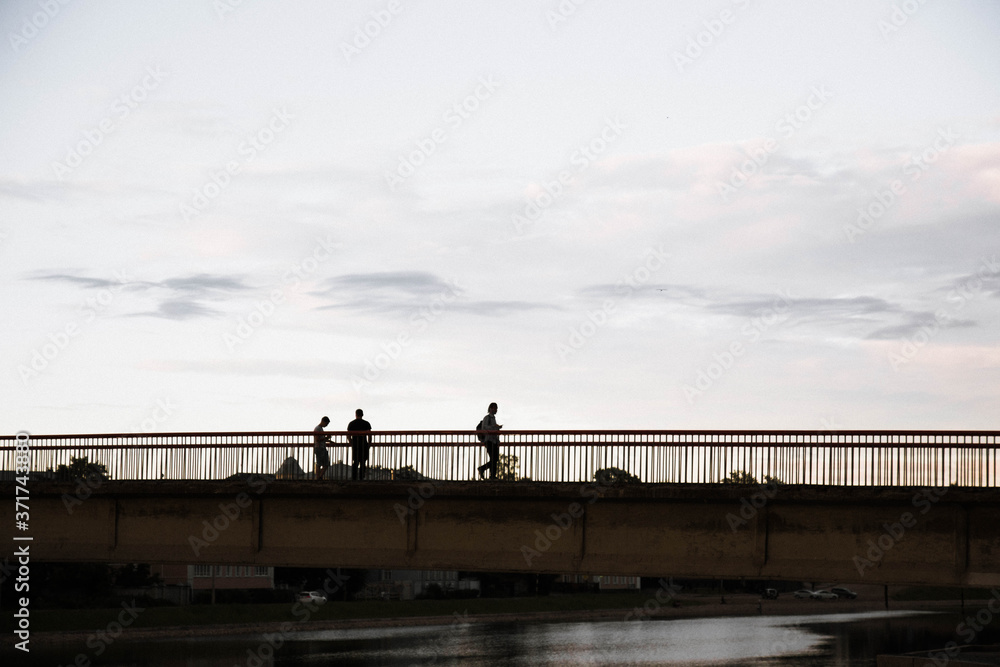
x,y
943,536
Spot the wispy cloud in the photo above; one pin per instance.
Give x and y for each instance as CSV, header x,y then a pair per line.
x,y
180,309
869,317
407,282
501,308
178,298
403,291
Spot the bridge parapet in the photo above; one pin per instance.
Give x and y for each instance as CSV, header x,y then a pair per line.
x,y
847,458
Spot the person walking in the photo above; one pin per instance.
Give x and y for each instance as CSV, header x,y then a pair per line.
x,y
492,442
320,441
360,445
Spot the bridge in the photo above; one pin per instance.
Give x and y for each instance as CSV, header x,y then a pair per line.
x,y
904,507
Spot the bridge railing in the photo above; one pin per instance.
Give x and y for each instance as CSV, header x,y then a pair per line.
x,y
851,458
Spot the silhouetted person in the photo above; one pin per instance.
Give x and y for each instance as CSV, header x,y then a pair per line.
x,y
320,441
492,442
360,445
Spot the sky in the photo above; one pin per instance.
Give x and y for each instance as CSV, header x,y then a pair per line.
x,y
241,216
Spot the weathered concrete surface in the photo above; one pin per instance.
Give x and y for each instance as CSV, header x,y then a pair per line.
x,y
902,535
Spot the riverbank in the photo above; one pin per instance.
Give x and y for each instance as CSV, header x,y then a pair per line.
x,y
57,626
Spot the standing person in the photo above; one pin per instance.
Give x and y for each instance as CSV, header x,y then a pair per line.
x,y
492,442
360,445
320,441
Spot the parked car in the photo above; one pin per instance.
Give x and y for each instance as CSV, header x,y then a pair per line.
x,y
823,595
770,594
844,592
803,593
314,597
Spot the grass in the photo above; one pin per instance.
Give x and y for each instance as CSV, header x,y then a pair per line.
x,y
92,620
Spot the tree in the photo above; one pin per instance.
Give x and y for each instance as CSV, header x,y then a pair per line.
x,y
742,477
408,473
81,468
508,467
613,476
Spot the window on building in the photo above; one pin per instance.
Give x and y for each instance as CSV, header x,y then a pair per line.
x,y
203,570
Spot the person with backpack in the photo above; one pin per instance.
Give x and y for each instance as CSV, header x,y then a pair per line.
x,y
491,440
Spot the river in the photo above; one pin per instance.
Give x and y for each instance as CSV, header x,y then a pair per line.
x,y
830,640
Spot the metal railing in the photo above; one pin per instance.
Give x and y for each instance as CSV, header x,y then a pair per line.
x,y
851,458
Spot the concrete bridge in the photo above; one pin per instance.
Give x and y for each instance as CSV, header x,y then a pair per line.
x,y
942,535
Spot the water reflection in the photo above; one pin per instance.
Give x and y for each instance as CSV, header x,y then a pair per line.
x,y
832,640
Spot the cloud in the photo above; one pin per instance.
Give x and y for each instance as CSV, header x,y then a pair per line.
x,y
985,279
41,191
396,291
916,322
408,282
501,308
83,281
204,282
868,317
384,291
312,369
183,293
179,309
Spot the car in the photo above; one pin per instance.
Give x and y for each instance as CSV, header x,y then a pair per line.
x,y
844,592
770,594
313,597
823,595
803,593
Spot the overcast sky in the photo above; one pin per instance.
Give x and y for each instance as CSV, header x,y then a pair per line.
x,y
637,214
